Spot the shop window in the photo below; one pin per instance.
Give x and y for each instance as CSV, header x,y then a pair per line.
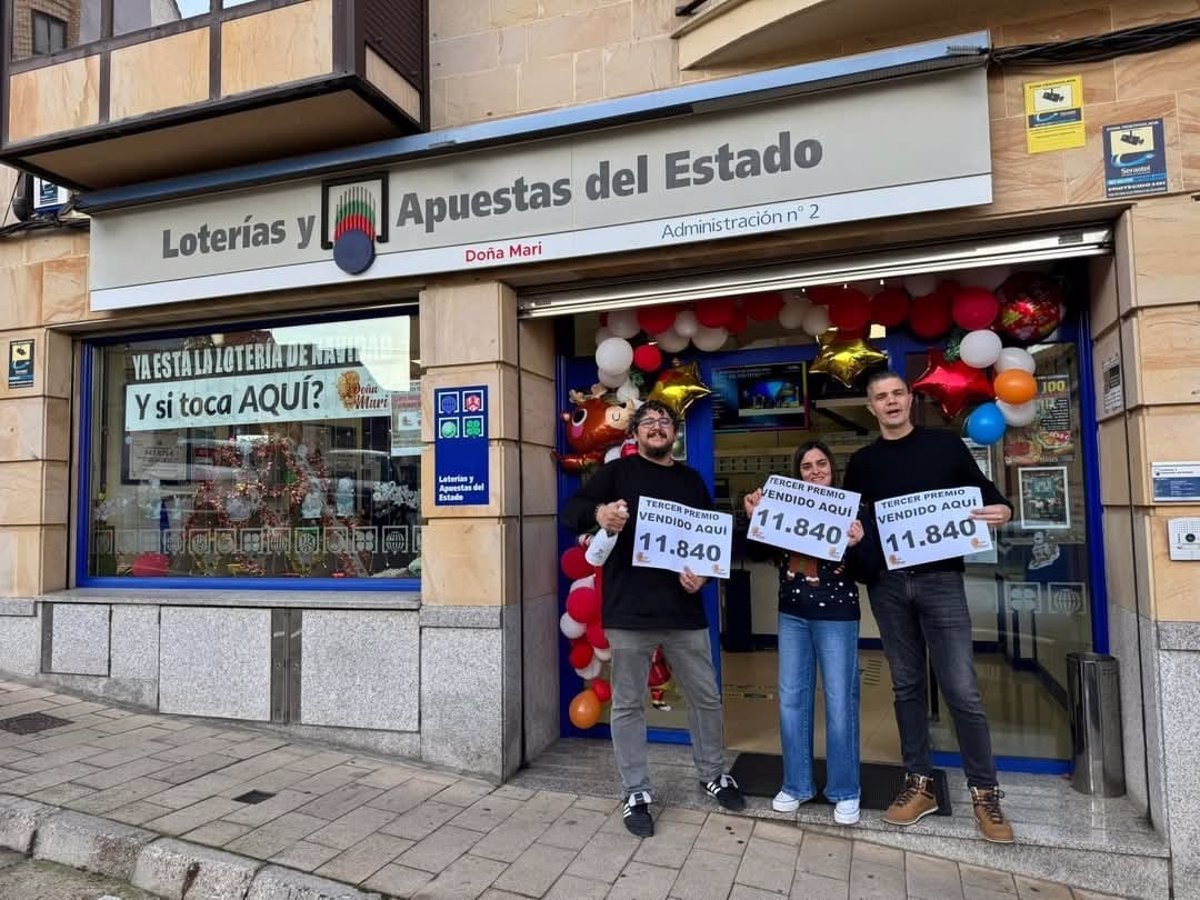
x,y
279,453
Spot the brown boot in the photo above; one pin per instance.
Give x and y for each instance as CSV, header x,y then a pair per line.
x,y
913,803
992,821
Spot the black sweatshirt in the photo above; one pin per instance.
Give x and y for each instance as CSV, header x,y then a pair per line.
x,y
638,597
925,459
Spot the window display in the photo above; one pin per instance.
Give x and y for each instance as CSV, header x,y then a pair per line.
x,y
290,451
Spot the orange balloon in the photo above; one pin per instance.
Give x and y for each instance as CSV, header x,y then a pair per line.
x,y
1015,386
585,709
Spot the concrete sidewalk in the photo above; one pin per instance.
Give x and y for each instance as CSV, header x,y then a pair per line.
x,y
221,810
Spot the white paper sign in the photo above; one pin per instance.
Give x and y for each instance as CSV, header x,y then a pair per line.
x,y
929,526
673,536
808,518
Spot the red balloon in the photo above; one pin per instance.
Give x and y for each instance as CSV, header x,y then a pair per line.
x,y
603,319
648,358
822,294
929,317
574,563
655,319
150,565
952,384
889,307
581,653
850,311
715,313
602,689
974,308
1030,306
583,605
737,322
628,449
596,637
763,307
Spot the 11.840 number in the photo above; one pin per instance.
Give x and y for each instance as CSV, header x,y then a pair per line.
x,y
801,527
934,534
683,549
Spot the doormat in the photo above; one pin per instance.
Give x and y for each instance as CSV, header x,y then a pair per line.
x,y
761,775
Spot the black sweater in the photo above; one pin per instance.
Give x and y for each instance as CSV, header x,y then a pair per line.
x,y
637,597
925,459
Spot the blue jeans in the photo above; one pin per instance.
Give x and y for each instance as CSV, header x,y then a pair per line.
x,y
915,610
803,643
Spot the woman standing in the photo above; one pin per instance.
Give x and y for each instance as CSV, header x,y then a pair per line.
x,y
818,625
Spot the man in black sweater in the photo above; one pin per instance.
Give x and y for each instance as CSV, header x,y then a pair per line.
x,y
644,607
926,606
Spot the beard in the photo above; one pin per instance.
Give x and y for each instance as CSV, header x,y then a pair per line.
x,y
654,452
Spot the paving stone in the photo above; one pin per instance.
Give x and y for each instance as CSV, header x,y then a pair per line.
x,y
485,814
872,882
340,801
104,802
62,794
1032,889
971,892
192,816
597,804
344,832
546,806
218,833
56,758
808,886
864,851
932,879
468,791
768,865
194,768
182,795
512,792
643,882
272,808
249,769
509,841
421,821
387,777
365,858
535,870
573,829
706,875
331,779
682,814
572,887
828,856
266,841
398,881
137,813
39,781
319,762
120,773
670,846
604,856
725,834
976,876
489,894
269,782
210,746
305,856
404,797
440,848
254,747
466,877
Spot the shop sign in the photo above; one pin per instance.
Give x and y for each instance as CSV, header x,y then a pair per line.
x,y
1175,482
1054,114
1135,159
931,525
905,146
460,446
20,363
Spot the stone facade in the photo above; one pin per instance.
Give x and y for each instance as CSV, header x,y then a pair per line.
x,y
66,11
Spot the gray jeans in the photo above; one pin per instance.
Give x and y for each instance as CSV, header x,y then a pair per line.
x,y
689,654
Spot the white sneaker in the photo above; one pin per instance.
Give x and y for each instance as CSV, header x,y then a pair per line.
x,y
785,802
845,812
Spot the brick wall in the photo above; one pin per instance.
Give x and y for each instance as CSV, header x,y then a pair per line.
x,y
66,10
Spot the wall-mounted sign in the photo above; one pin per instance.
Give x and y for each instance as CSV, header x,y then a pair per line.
x,y
894,148
1135,159
20,363
1054,114
1175,482
460,446
1111,390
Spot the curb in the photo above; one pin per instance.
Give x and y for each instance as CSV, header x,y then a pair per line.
x,y
147,860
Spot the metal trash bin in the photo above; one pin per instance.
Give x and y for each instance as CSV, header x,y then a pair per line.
x,y
1094,706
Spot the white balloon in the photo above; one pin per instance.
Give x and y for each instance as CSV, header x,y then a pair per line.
x,y
570,628
602,334
990,277
671,341
623,323
979,349
612,453
628,391
586,582
816,320
590,671
710,339
612,379
1016,358
1021,414
792,315
614,355
604,655
918,285
686,323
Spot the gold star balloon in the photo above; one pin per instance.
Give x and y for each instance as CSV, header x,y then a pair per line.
x,y
845,358
679,387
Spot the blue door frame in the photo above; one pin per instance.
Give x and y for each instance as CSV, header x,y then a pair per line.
x,y
580,372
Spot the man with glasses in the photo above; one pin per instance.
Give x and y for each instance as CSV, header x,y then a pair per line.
x,y
644,608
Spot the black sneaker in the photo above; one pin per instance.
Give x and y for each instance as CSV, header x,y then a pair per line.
x,y
638,820
726,792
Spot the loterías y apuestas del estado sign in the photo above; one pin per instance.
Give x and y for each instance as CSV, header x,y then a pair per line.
x,y
894,148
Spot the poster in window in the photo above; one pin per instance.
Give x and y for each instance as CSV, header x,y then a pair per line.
x,y
760,398
154,456
1045,497
1050,437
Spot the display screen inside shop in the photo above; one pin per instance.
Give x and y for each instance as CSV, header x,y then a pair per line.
x,y
289,451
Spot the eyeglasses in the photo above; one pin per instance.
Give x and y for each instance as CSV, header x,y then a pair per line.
x,y
662,422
